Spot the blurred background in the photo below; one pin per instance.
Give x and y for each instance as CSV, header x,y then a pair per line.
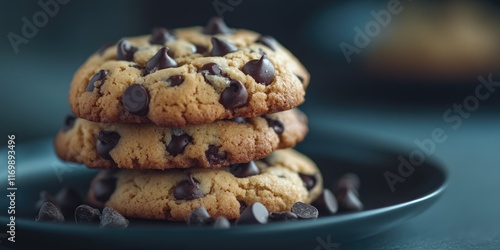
x,y
380,70
408,57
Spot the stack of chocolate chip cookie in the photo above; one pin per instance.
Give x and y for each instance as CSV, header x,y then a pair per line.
x,y
191,117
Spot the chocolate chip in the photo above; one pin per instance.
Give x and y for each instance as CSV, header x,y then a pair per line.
x,y
200,49
261,70
104,47
239,120
112,218
161,60
69,123
268,41
50,213
106,141
349,181
221,222
282,216
199,216
210,69
254,214
175,80
244,169
277,126
125,50
188,189
308,180
348,200
214,156
98,77
178,144
326,203
104,187
45,197
87,215
135,100
221,47
304,211
234,96
160,36
300,78
243,206
68,199
216,26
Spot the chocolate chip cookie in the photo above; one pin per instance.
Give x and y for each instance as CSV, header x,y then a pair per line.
x,y
146,146
278,181
188,76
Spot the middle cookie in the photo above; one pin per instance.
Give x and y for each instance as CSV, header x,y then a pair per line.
x,y
146,146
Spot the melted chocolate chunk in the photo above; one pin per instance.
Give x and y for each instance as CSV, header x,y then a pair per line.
x,y
106,141
348,200
244,169
216,26
178,144
214,156
87,215
234,96
200,49
277,126
309,180
112,218
254,214
221,47
50,213
69,123
175,80
161,36
125,50
304,211
135,100
261,70
221,222
198,217
99,77
268,41
282,216
103,188
212,69
188,189
161,60
326,203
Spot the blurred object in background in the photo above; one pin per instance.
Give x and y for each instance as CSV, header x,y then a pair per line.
x,y
439,41
409,51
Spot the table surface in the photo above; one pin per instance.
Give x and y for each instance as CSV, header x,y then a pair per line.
x,y
467,216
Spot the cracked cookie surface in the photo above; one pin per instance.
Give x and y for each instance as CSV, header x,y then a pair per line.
x,y
276,181
188,76
146,146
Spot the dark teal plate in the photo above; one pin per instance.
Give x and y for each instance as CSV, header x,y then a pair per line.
x,y
39,169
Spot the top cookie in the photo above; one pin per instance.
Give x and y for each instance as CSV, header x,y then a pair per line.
x,y
188,76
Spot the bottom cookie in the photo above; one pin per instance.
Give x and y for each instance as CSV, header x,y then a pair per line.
x,y
277,181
